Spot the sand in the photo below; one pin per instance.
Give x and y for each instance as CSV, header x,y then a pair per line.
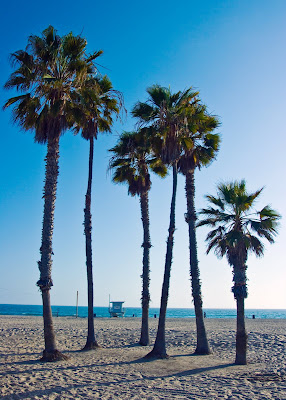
x,y
117,370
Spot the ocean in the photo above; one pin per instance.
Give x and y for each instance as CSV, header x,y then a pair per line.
x,y
70,311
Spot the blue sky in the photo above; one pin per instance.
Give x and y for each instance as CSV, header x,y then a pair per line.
x,y
233,52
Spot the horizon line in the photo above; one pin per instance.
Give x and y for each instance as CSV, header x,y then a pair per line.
x,y
184,308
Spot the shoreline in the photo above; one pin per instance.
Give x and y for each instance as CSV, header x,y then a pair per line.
x,y
102,312
118,370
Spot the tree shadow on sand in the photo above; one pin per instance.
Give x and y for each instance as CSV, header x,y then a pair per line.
x,y
100,385
141,360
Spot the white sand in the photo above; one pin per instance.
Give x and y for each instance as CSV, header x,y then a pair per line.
x,y
117,371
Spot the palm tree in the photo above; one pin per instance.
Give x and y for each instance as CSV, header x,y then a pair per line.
x,y
236,231
200,148
166,112
132,158
97,103
48,72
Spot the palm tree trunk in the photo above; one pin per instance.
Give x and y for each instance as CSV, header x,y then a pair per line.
x,y
202,341
144,203
90,342
239,290
45,282
159,349
241,335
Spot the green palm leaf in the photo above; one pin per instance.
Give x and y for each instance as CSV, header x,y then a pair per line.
x,y
132,158
228,213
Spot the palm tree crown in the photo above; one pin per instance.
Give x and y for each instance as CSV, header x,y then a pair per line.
x,y
237,228
199,144
97,103
49,71
167,113
132,159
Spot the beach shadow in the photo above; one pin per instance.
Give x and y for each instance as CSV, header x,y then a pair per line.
x,y
30,361
192,355
195,371
145,359
83,351
31,353
62,365
140,360
123,379
136,344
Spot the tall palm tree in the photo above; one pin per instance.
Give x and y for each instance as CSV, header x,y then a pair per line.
x,y
236,231
199,149
97,102
48,72
166,113
131,161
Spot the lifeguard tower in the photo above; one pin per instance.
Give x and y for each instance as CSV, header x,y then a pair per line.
x,y
116,309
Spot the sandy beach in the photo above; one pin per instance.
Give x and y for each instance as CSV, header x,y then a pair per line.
x,y
117,370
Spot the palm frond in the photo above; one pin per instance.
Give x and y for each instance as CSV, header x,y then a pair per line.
x,y
268,212
134,150
143,111
50,72
235,233
256,246
159,94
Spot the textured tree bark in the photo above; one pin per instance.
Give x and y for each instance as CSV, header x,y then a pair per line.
x,y
45,282
202,341
241,335
91,343
159,349
144,203
239,289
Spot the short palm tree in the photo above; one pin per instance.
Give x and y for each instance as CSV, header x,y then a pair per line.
x,y
236,231
97,103
166,113
132,161
199,149
48,72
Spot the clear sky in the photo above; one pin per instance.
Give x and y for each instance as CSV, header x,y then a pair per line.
x,y
234,53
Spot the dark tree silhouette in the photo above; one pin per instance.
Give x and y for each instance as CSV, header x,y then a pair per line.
x,y
132,161
166,113
199,149
48,73
236,231
97,103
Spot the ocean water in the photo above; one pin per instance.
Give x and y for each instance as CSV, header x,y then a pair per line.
x,y
70,311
